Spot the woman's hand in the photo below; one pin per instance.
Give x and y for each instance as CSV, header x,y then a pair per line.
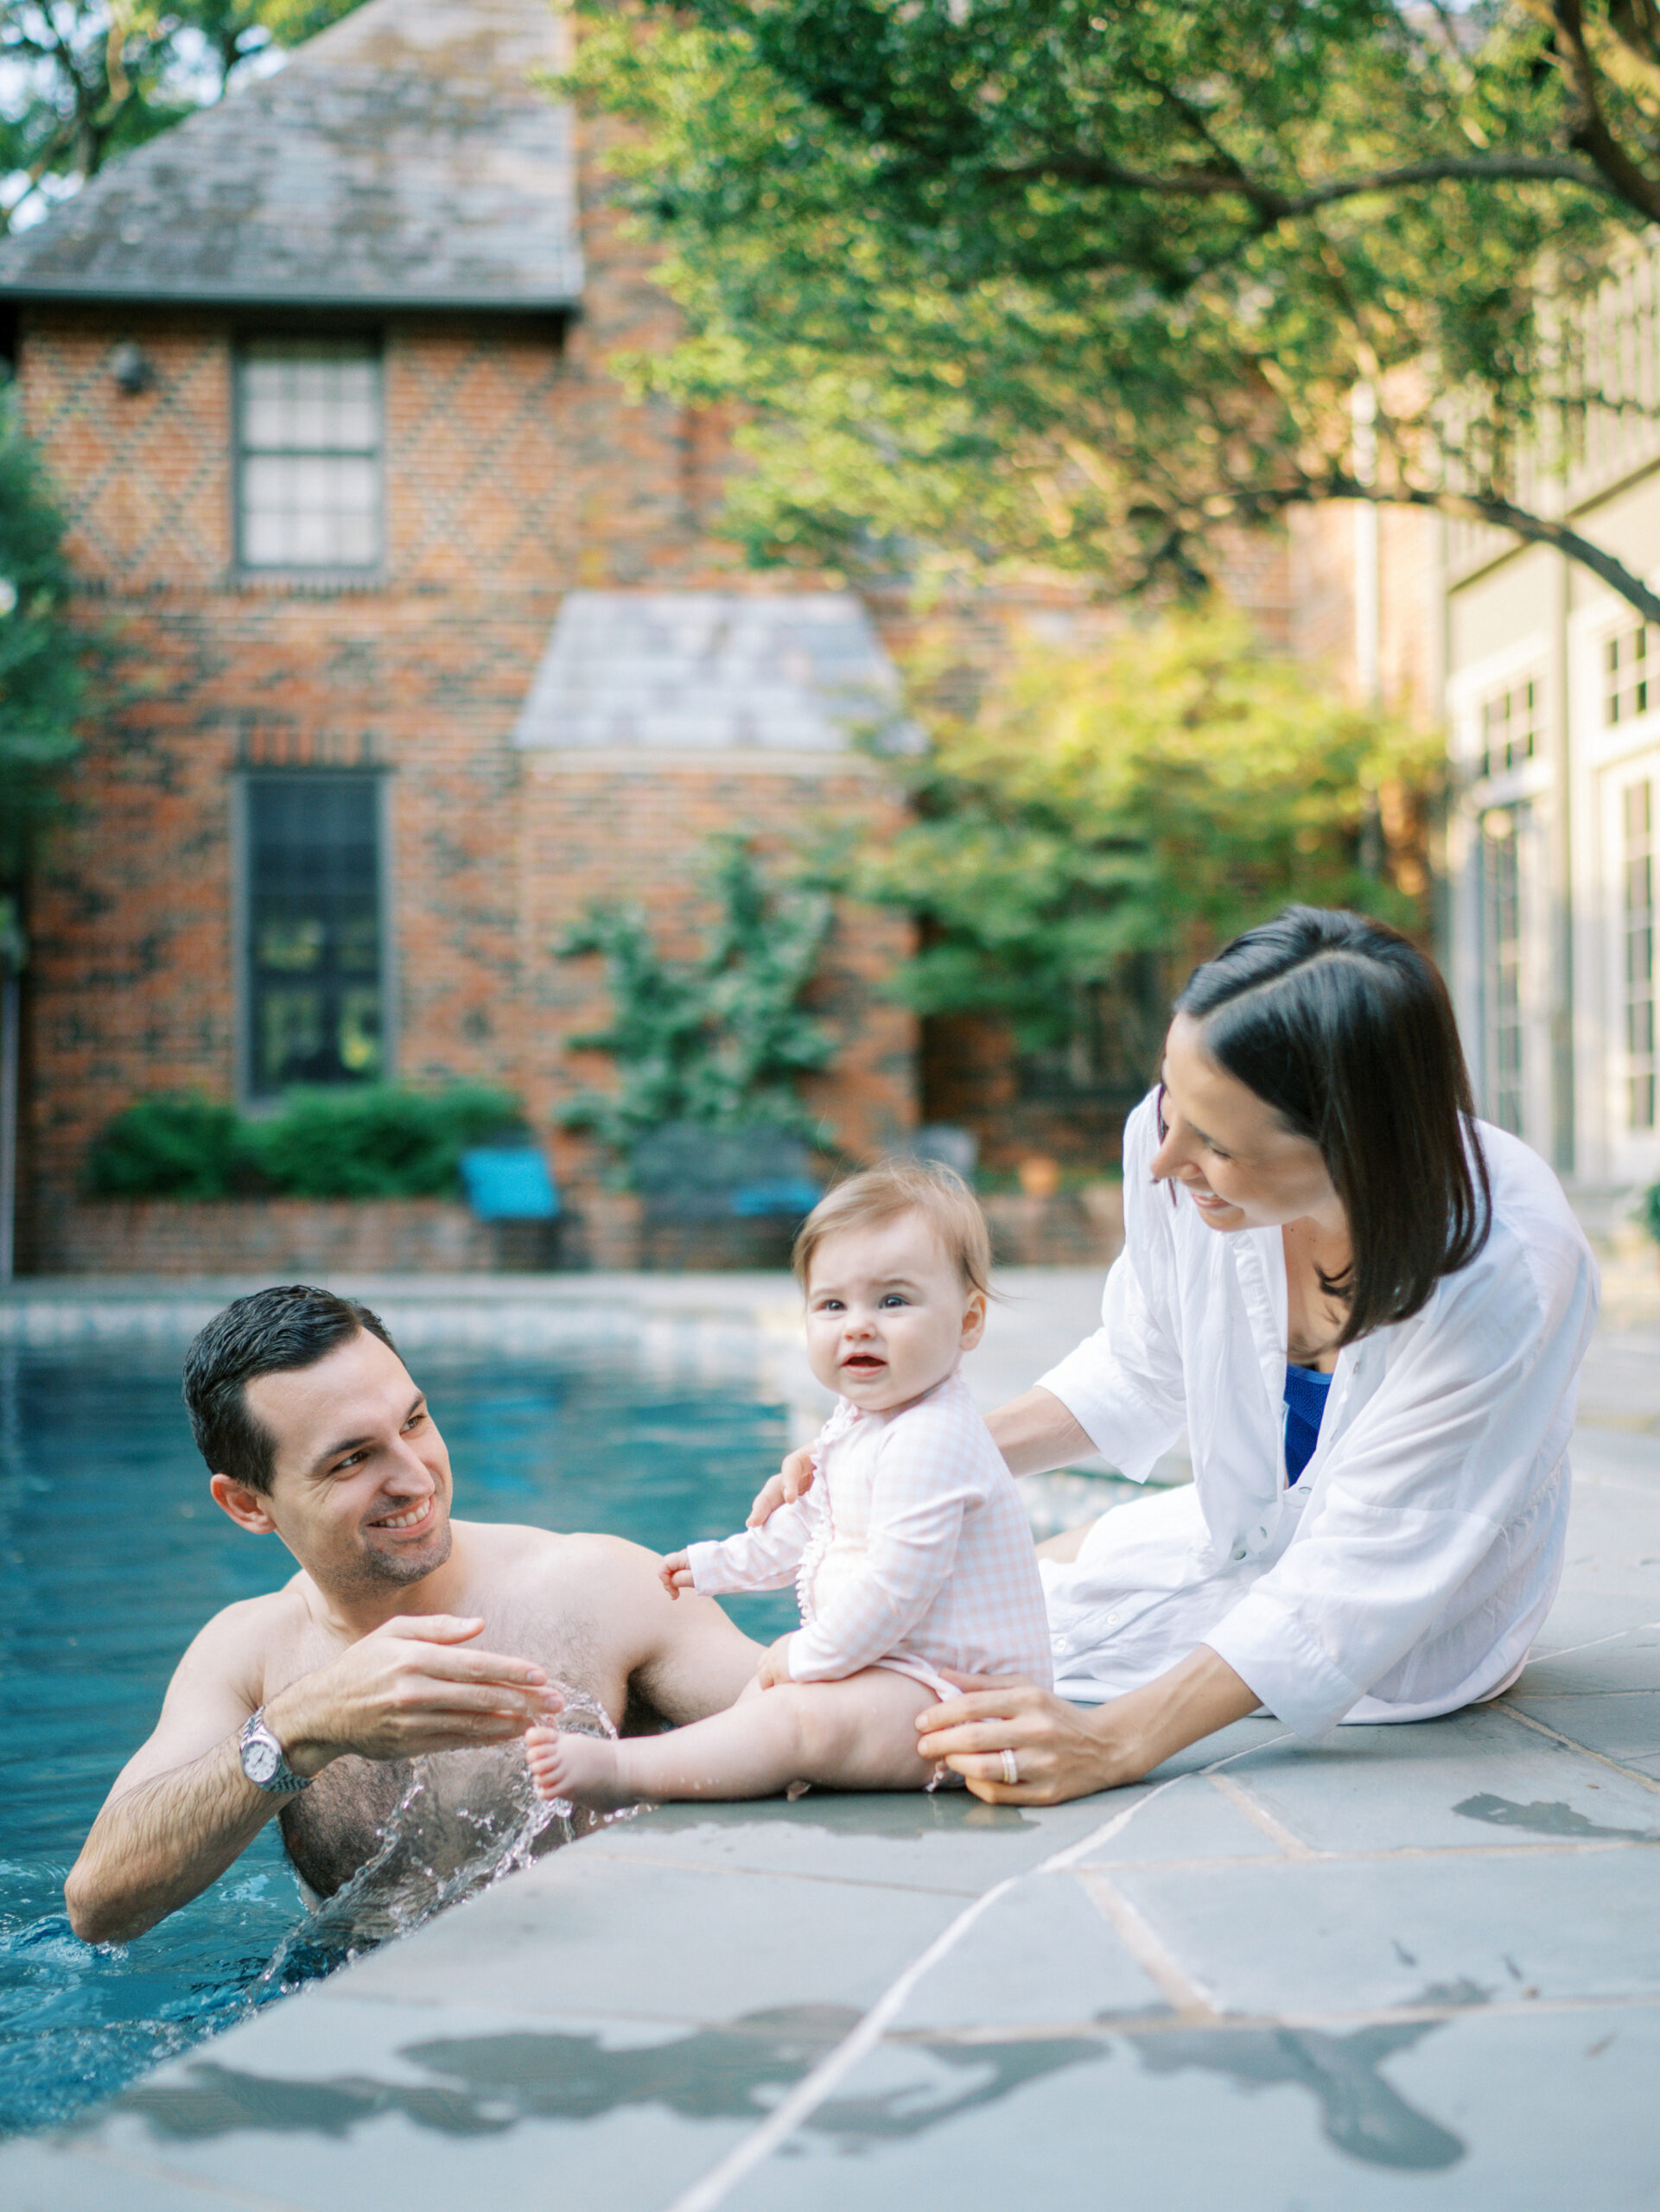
x,y
1061,1750
1064,1751
794,1480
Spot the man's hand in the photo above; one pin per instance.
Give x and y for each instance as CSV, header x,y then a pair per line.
x,y
794,1480
774,1666
675,1573
182,1808
407,1688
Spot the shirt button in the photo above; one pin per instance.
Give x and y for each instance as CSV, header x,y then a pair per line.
x,y
1261,1535
1238,1554
1063,1643
1112,1620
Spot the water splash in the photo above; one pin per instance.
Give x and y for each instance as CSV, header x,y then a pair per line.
x,y
464,1823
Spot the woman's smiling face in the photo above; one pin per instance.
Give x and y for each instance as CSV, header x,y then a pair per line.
x,y
1229,1150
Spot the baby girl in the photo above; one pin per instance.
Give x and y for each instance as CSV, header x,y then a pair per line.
x,y
910,1553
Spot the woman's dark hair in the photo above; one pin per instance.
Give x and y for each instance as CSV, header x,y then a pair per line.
x,y
273,1331
1346,1031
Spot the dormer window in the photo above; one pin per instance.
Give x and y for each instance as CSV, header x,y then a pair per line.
x,y
308,424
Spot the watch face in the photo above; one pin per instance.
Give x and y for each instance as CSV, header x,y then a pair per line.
x,y
261,1757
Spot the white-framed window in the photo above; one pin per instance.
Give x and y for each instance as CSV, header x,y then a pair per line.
x,y
309,432
1630,675
1503,833
1636,930
1510,731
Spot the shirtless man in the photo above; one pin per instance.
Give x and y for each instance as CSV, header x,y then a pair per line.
x,y
312,1703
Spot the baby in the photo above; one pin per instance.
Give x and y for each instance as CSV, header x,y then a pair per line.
x,y
910,1553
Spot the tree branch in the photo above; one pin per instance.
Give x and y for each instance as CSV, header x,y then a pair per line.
x,y
1283,208
1591,135
1635,26
1465,507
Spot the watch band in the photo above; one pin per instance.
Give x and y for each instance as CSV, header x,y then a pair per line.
x,y
263,1761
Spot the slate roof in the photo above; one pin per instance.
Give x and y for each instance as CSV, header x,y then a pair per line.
x,y
402,158
709,671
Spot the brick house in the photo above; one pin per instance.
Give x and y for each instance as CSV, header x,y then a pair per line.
x,y
422,639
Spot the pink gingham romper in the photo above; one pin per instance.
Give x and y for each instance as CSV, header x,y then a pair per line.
x,y
912,1551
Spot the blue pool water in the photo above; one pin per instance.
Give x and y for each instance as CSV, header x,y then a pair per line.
x,y
111,1557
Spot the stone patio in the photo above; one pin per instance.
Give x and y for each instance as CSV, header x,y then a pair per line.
x,y
1411,1966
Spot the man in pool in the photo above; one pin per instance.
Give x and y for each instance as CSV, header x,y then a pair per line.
x,y
403,1635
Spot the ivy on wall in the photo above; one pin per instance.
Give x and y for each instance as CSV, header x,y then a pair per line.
x,y
722,1040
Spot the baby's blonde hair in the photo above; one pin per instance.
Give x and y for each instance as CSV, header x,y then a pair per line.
x,y
901,1187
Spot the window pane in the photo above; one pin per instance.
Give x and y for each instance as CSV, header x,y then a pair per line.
x,y
314,511
1627,681
314,951
309,465
320,406
1510,727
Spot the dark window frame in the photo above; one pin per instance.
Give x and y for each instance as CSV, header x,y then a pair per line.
x,y
306,572
257,1096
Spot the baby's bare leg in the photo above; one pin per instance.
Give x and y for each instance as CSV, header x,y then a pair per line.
x,y
860,1733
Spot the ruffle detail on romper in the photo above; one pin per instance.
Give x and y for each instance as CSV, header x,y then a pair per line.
x,y
823,1531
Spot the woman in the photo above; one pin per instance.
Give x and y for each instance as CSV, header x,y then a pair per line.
x,y
1370,1311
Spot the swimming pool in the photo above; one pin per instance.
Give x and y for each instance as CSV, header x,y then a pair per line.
x,y
112,1555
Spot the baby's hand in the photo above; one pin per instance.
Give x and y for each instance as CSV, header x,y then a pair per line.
x,y
774,1667
794,1480
675,1573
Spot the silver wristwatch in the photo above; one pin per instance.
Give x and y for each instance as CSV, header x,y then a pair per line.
x,y
262,1761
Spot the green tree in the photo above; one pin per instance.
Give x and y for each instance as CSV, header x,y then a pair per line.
x,y
1111,817
723,1039
40,677
86,79
1057,281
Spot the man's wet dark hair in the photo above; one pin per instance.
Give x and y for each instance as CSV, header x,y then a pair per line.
x,y
1345,1029
274,1331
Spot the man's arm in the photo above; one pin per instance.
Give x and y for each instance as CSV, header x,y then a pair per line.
x,y
183,1810
682,1656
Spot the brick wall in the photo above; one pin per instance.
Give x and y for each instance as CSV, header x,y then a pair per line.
x,y
516,468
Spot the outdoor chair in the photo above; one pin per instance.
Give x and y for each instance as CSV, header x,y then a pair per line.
x,y
721,1198
509,1185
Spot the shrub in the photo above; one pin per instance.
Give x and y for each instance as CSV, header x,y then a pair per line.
x,y
376,1143
178,1146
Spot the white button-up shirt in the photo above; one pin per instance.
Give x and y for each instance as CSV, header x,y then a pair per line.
x,y
1409,1570
911,1551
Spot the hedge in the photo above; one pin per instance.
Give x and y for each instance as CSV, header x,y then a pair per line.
x,y
377,1141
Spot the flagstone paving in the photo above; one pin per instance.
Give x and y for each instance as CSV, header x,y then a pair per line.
x,y
1404,1966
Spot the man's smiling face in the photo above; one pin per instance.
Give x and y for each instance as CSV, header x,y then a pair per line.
x,y
360,1490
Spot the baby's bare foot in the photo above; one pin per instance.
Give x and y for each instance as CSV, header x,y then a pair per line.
x,y
581,1769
